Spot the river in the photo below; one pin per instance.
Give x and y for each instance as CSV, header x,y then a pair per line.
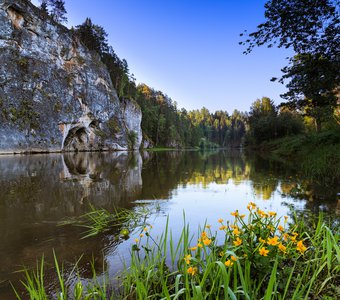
x,y
39,191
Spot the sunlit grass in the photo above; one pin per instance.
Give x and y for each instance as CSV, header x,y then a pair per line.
x,y
260,256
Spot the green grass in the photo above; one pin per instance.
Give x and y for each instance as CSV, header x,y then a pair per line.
x,y
316,155
260,257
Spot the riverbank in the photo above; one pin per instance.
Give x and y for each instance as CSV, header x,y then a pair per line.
x,y
258,256
315,155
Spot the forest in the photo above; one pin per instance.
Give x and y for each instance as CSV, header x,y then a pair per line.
x,y
311,78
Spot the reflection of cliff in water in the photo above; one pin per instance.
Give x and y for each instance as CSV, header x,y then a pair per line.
x,y
105,180
55,186
51,187
38,191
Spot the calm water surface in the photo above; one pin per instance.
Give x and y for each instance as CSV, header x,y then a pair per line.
x,y
39,191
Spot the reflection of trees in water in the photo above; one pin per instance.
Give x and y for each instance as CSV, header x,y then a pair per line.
x,y
319,198
166,170
268,175
38,190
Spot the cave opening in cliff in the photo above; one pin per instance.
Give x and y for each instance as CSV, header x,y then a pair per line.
x,y
76,139
94,124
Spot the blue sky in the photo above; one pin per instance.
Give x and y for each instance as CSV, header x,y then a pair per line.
x,y
189,49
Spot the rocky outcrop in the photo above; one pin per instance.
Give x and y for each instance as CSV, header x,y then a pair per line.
x,y
54,93
146,142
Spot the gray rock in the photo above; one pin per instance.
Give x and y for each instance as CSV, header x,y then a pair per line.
x,y
56,95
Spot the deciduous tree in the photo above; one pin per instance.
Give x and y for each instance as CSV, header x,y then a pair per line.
x,y
312,29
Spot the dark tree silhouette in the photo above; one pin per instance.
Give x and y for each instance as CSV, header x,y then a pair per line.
x,y
55,9
44,7
58,11
312,29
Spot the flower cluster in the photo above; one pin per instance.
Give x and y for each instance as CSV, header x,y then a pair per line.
x,y
261,237
144,231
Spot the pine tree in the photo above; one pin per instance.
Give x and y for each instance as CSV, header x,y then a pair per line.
x,y
58,11
44,7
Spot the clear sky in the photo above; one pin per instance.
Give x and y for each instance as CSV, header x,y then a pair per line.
x,y
189,49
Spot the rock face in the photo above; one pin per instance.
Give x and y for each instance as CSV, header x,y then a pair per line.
x,y
54,93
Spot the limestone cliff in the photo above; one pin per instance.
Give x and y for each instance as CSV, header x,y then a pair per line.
x,y
54,93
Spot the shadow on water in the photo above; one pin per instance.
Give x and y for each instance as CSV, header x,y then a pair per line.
x,y
38,191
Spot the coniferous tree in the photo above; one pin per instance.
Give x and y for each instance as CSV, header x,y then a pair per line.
x,y
94,37
44,7
58,11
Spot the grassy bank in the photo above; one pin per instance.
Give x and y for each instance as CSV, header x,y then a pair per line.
x,y
259,256
316,155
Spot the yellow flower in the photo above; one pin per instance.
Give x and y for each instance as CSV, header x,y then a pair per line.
x,y
272,213
301,247
208,226
220,220
141,235
270,227
203,234
233,258
221,253
237,242
228,263
263,251
207,241
293,238
199,245
235,213
193,248
251,205
282,248
236,231
261,213
281,228
222,227
192,270
136,240
273,241
262,240
187,259
145,229
242,216
286,236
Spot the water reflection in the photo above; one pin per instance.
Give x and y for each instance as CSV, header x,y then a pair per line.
x,y
38,191
268,175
